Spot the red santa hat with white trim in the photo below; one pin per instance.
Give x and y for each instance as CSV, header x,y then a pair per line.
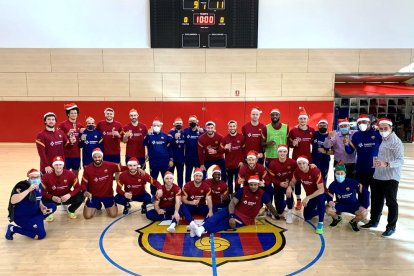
x,y
97,151
362,118
178,120
216,169
197,171
252,154
302,158
33,173
133,161
282,147
193,118
48,114
58,160
322,121
274,110
254,179
109,109
384,121
157,120
168,174
210,122
70,106
255,108
302,113
343,122
133,111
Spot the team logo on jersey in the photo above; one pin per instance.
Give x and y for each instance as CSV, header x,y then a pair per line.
x,y
95,179
53,187
139,180
249,134
244,244
105,171
65,181
162,138
360,145
153,142
347,189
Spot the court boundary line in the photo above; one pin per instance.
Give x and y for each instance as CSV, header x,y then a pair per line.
x,y
213,255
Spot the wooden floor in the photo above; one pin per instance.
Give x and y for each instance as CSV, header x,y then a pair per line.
x,y
73,246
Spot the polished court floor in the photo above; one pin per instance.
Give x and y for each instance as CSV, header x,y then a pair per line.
x,y
132,245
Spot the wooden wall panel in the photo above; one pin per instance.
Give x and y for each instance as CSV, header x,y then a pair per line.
x,y
52,84
230,60
384,60
333,60
263,85
103,84
282,60
77,60
238,83
13,84
24,60
171,85
128,60
309,84
205,85
146,85
180,60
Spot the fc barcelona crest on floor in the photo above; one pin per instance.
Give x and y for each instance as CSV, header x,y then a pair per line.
x,y
244,244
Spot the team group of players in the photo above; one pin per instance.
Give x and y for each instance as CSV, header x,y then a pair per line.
x,y
250,169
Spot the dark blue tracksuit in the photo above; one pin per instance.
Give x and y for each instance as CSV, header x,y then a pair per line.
x,y
321,160
178,148
191,152
93,140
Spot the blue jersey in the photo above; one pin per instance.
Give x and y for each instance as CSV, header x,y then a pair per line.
x,y
178,146
346,192
191,144
158,145
366,144
320,159
29,206
92,141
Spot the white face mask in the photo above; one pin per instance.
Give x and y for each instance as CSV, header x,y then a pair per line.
x,y
156,129
363,127
385,134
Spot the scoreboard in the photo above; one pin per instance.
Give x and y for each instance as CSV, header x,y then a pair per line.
x,y
204,23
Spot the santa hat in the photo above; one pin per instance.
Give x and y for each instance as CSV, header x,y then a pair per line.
x,y
133,161
274,110
167,174
157,121
178,120
133,111
363,117
302,158
89,118
49,114
97,151
343,122
232,122
302,113
58,160
193,117
197,171
254,179
384,121
252,154
33,173
256,109
321,121
282,147
70,106
216,169
210,123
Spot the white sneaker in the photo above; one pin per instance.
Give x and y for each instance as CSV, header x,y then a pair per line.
x,y
289,217
200,231
171,228
193,227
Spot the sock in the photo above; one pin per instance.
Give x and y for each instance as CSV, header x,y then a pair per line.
x,y
320,225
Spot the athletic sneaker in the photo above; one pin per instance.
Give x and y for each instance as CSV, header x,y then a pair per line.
x,y
126,208
370,224
335,222
289,217
9,232
72,215
319,229
354,226
200,230
193,227
388,232
298,205
50,218
171,228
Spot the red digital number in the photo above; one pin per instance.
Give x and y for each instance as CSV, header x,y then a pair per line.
x,y
204,19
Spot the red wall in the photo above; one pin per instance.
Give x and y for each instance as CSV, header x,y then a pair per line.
x,y
21,121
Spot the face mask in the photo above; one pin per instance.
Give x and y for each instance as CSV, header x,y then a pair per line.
x,y
323,130
385,133
344,130
34,181
363,127
156,129
193,125
340,178
178,127
90,127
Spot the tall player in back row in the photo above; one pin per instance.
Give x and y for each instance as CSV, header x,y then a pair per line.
x,y
252,132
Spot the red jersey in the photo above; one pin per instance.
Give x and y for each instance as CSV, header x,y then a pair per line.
x,y
134,183
168,196
236,154
252,135
309,180
249,204
66,126
49,145
217,190
111,143
135,144
245,172
59,185
192,192
98,180
205,143
304,146
281,172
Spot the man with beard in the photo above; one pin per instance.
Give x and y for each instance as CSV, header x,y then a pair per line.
x,y
62,187
111,133
243,209
252,132
366,143
72,128
191,135
219,190
167,206
178,147
91,139
233,146
273,135
133,185
321,156
97,183
254,168
51,142
134,134
209,150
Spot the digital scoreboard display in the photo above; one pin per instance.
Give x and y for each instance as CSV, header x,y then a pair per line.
x,y
204,23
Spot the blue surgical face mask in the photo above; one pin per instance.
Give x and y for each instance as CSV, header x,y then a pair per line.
x,y
344,130
34,181
340,178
